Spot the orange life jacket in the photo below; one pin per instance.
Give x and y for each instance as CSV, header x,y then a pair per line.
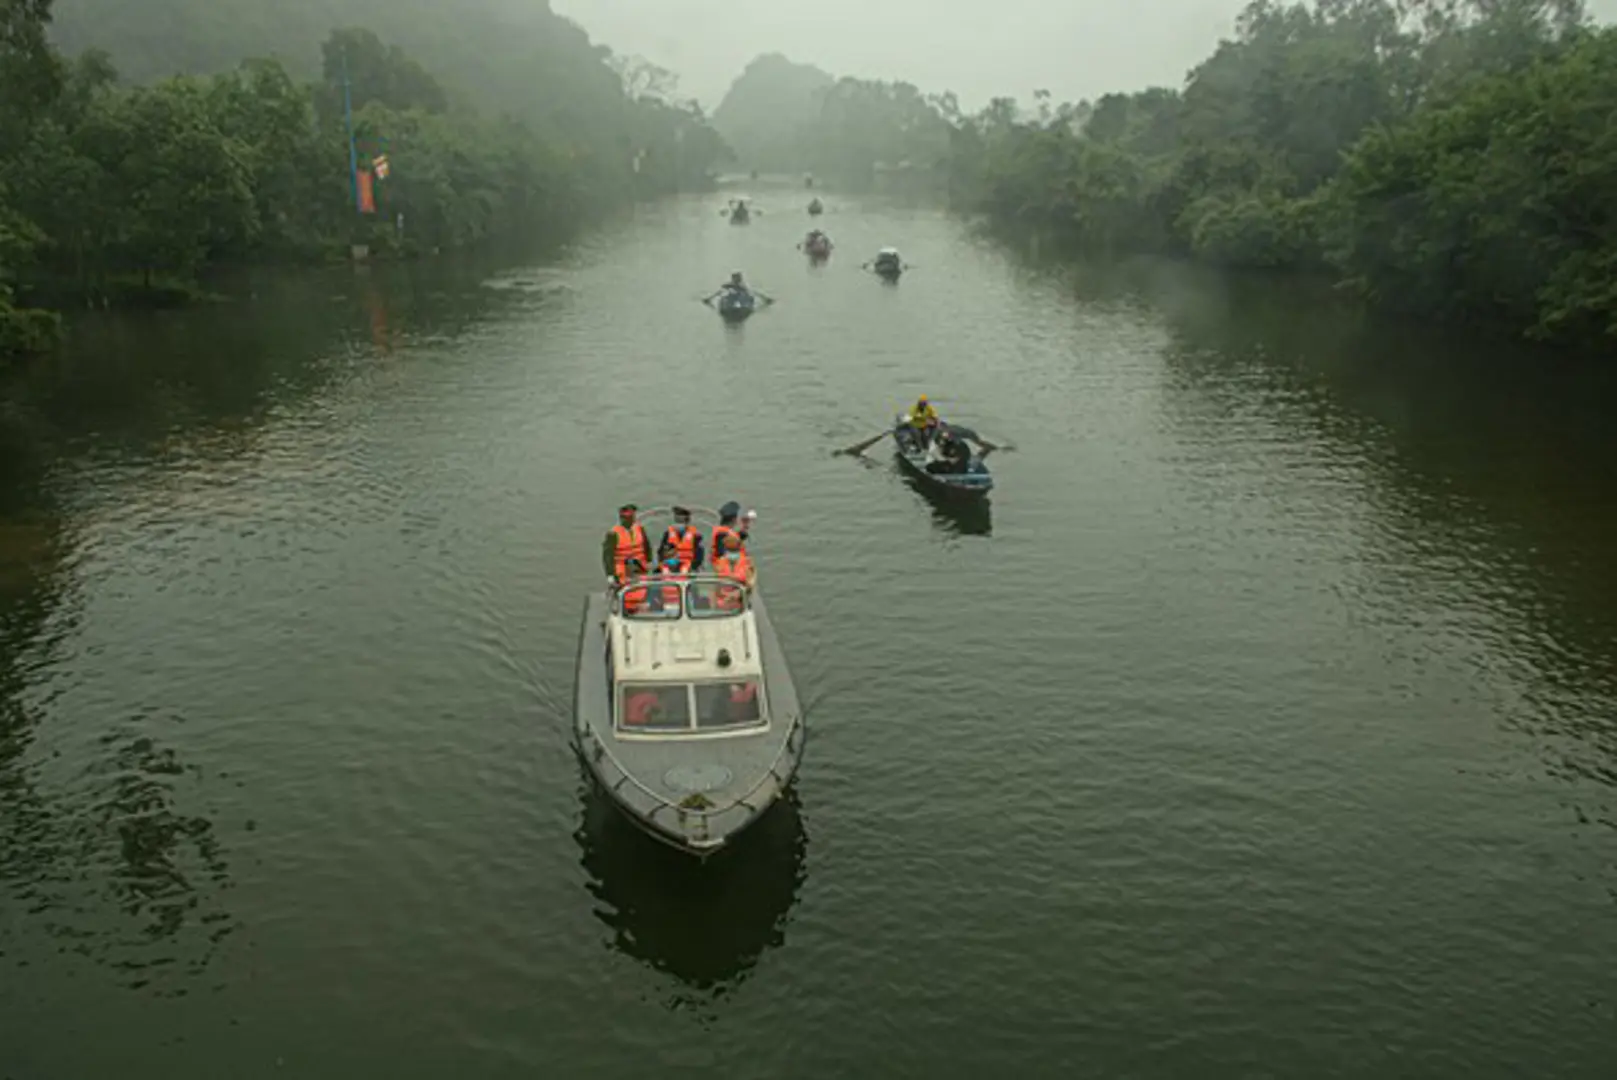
x,y
738,568
736,565
631,545
638,709
684,538
634,600
671,589
714,547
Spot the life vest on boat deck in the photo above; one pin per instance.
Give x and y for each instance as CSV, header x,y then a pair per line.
x,y
640,708
670,590
631,545
634,600
683,538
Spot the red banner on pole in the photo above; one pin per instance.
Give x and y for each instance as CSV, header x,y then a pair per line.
x,y
367,193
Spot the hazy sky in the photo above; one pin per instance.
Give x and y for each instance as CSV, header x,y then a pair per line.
x,y
978,48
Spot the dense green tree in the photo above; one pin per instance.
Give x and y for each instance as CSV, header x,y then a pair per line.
x,y
111,193
1446,157
375,72
1499,204
30,81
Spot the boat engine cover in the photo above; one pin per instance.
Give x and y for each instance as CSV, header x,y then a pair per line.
x,y
697,777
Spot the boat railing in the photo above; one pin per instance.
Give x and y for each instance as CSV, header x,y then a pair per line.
x,y
793,742
686,583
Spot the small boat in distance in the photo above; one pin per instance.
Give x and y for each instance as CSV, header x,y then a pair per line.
x,y
817,245
816,207
684,711
736,304
739,211
735,300
887,264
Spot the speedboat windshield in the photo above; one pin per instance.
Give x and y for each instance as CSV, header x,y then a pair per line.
x,y
666,709
660,599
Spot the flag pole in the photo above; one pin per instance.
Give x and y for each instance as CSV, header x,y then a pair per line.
x,y
348,117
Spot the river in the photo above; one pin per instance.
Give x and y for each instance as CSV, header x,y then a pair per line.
x,y
1265,724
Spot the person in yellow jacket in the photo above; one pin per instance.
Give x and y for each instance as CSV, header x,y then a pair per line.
x,y
923,420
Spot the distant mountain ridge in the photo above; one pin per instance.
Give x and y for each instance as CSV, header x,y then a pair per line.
x,y
514,56
769,108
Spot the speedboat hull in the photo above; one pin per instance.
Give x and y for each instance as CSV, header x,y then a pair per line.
x,y
975,481
695,795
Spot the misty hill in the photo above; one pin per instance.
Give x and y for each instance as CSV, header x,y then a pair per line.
x,y
513,56
768,108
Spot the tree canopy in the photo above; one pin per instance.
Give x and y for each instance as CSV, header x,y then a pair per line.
x,y
118,192
1449,158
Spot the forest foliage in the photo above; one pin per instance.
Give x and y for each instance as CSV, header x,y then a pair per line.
x,y
111,191
1448,159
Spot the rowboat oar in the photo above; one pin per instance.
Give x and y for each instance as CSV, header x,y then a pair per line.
x,y
970,433
860,447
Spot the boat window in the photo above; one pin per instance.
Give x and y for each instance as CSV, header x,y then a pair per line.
x,y
653,708
728,704
716,599
651,601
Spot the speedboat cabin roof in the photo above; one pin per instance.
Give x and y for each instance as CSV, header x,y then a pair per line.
x,y
687,659
700,626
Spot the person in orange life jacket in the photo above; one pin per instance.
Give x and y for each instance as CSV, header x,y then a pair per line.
x,y
728,526
685,540
625,540
733,562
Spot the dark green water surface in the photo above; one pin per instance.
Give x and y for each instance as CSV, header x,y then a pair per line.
x,y
1265,724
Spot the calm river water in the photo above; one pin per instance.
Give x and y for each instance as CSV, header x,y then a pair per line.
x,y
1264,725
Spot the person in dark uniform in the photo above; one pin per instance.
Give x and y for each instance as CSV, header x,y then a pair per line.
x,y
956,455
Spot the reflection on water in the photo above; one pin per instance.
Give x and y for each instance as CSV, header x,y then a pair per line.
x,y
1494,472
954,513
116,839
705,923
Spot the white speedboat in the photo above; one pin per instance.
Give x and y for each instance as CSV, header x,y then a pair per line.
x,y
684,710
